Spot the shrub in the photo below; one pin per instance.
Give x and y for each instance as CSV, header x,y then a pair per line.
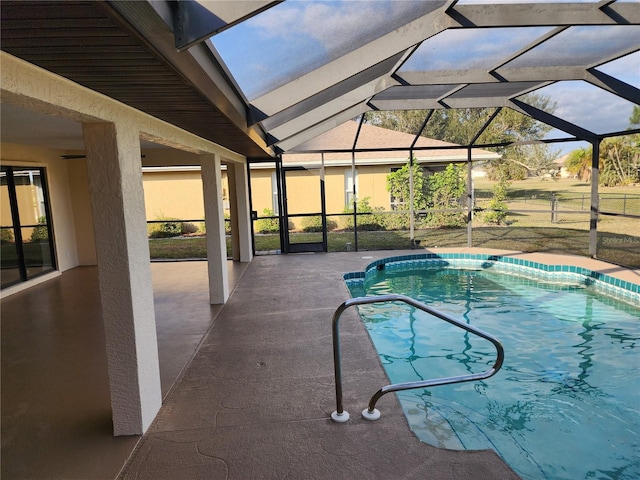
x,y
227,224
311,224
267,225
170,227
6,235
445,219
497,209
314,224
370,221
188,227
40,233
396,221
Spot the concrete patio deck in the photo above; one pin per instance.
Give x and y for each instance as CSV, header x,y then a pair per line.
x,y
253,401
256,399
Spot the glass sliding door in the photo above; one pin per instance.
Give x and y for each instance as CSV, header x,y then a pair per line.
x,y
10,272
26,235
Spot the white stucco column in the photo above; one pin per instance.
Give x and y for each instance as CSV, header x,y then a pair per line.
x,y
122,248
214,221
233,213
239,199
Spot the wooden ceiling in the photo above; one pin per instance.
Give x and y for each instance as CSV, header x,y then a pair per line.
x,y
93,45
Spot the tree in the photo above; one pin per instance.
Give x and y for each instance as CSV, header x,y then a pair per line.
x,y
442,190
462,125
398,185
634,119
619,160
447,192
579,163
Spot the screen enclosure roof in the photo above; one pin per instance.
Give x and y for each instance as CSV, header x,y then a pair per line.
x,y
304,67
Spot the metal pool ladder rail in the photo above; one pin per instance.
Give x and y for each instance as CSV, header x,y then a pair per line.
x,y
371,412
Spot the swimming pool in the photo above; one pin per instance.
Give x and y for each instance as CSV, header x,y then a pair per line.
x,y
566,404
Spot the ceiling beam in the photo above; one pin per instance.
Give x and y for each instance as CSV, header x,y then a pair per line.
x,y
322,127
613,85
405,104
540,14
376,76
194,22
330,108
554,121
506,74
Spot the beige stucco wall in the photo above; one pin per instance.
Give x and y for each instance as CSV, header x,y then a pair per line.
x,y
261,193
303,189
371,181
173,195
178,194
79,191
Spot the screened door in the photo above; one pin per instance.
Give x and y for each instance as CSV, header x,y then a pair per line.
x,y
304,209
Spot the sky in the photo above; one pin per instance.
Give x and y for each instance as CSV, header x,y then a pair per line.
x,y
297,36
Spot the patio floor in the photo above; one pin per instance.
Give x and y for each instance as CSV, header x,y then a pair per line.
x,y
256,399
253,401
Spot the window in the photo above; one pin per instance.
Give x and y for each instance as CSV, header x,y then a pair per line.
x,y
25,228
348,186
274,194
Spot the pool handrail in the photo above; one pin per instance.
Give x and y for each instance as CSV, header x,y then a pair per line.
x,y
371,413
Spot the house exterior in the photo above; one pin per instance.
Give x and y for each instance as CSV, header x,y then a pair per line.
x,y
175,191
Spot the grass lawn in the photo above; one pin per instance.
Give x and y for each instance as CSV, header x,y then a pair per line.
x,y
562,186
617,248
529,227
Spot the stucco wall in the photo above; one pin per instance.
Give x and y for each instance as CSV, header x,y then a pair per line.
x,y
173,195
261,193
178,194
79,190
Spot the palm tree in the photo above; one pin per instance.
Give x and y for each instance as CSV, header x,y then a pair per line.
x,y
579,163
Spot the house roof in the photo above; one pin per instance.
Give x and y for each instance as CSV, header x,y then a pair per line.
x,y
372,147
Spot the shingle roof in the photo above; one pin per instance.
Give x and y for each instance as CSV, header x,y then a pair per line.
x,y
371,137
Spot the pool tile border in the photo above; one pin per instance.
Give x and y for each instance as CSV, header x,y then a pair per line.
x,y
603,283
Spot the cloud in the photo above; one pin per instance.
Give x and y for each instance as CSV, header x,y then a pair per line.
x,y
333,24
589,106
296,37
580,45
471,48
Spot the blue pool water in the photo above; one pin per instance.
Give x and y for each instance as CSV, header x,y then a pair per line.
x,y
566,404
